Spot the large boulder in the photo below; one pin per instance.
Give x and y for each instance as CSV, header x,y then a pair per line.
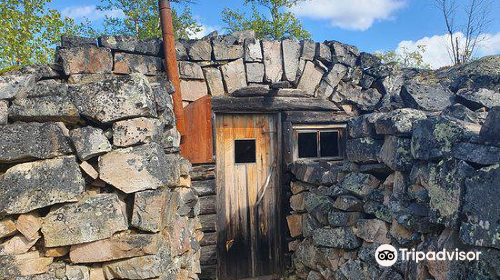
x,y
365,100
114,248
480,154
25,141
435,136
490,130
131,44
396,153
29,186
398,122
481,208
45,109
478,98
16,86
115,99
85,60
480,73
362,126
102,215
363,149
139,168
460,112
446,190
341,237
89,142
345,54
125,63
425,97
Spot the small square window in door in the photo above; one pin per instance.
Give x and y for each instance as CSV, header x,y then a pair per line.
x,y
244,151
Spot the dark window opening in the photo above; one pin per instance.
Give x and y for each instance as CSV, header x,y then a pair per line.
x,y
244,151
308,145
329,142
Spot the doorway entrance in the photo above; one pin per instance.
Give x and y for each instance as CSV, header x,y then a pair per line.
x,y
248,168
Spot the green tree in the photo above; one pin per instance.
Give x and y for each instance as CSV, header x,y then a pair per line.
x,y
29,30
280,24
141,19
405,57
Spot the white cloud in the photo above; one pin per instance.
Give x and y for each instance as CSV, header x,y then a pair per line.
x,y
436,54
205,30
355,15
90,12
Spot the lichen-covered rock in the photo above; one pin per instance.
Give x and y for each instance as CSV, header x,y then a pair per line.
x,y
91,219
139,168
29,224
77,272
345,54
137,131
199,50
368,60
214,81
359,184
435,136
478,98
481,208
68,41
348,203
4,112
363,149
45,109
154,209
372,230
365,100
227,47
255,72
362,126
115,248
253,50
343,219
234,75
396,153
341,237
460,112
115,99
318,206
125,63
480,154
446,189
193,90
16,86
308,172
131,44
190,70
426,98
311,77
323,53
23,265
145,267
480,73
7,227
291,55
39,184
490,130
398,122
89,142
273,60
85,60
46,88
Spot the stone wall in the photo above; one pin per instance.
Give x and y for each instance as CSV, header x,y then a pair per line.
x,y
92,185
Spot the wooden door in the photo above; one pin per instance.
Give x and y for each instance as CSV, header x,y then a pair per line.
x,y
247,149
197,145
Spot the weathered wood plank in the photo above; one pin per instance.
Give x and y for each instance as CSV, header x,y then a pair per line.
x,y
315,117
207,205
197,144
270,104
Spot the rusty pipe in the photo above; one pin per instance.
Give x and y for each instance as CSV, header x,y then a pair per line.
x,y
172,70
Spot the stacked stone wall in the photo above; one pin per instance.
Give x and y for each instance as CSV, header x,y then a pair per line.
x,y
92,185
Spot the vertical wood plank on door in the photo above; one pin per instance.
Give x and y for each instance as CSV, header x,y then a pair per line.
x,y
247,232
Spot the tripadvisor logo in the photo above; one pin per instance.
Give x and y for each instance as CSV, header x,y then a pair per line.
x,y
387,255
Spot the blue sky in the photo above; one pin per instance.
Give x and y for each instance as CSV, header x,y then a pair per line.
x,y
371,25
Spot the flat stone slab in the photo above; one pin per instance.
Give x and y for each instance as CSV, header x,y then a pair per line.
x,y
139,168
91,219
114,99
26,141
29,186
86,60
90,142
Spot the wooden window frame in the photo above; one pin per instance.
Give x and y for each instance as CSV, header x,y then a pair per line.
x,y
318,128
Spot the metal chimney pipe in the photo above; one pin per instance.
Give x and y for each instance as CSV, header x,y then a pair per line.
x,y
172,69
